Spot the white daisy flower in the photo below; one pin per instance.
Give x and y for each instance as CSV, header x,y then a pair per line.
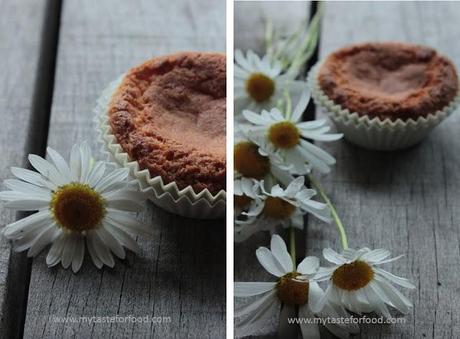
x,y
76,202
285,207
251,161
246,192
357,283
288,290
286,136
259,83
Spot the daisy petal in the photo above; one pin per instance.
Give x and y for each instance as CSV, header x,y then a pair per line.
x,y
315,293
258,319
96,173
31,177
313,160
375,299
60,163
301,106
309,330
324,273
376,255
318,152
395,279
128,222
251,307
254,118
86,161
54,255
46,169
269,262
248,289
124,238
40,218
386,261
333,257
68,250
27,205
311,125
112,243
319,303
102,250
79,254
48,236
28,239
308,266
279,251
75,163
112,179
27,188
397,299
92,251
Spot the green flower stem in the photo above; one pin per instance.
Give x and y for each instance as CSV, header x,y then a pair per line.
x,y
288,108
335,216
292,245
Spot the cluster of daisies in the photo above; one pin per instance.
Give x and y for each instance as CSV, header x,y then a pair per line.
x,y
79,202
274,151
356,284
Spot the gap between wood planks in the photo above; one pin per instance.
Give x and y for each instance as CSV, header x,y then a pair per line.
x,y
18,281
309,114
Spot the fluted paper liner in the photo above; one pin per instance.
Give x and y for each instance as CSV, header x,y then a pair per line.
x,y
374,133
185,202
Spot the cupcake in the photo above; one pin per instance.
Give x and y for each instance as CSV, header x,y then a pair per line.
x,y
385,96
165,120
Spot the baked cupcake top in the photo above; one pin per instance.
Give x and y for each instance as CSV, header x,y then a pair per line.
x,y
389,80
168,114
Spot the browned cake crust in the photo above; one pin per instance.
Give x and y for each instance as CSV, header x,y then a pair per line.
x,y
169,115
389,80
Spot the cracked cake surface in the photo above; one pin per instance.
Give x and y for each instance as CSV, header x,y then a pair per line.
x,y
389,80
168,114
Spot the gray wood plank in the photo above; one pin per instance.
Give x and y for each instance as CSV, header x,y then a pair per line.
x,y
250,19
21,24
406,201
181,272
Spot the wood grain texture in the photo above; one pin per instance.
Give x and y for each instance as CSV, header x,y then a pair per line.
x,y
250,19
21,26
406,201
181,271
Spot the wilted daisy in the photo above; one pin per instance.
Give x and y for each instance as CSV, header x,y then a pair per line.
x,y
285,135
288,290
285,207
259,82
357,283
76,202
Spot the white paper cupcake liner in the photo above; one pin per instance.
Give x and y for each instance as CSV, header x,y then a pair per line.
x,y
374,133
184,202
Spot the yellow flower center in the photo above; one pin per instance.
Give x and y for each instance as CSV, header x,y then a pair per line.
x,y
278,208
353,276
291,291
284,134
249,162
260,87
241,200
77,207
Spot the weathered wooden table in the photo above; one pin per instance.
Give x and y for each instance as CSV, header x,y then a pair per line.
x,y
56,58
406,201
